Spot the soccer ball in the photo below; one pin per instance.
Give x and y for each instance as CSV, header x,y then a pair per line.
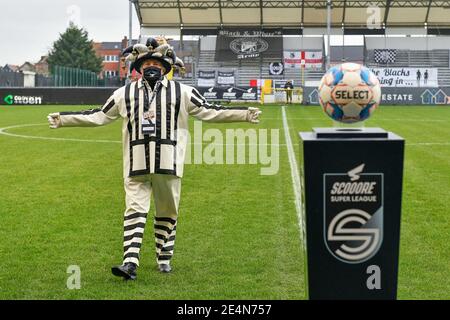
x,y
349,93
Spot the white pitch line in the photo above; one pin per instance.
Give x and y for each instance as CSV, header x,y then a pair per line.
x,y
296,185
324,118
417,144
3,132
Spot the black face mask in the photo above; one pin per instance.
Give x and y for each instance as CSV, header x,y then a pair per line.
x,y
152,74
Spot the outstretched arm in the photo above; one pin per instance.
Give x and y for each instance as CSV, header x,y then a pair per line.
x,y
200,108
87,118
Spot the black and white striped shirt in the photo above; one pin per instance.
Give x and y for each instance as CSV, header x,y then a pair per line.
x,y
163,150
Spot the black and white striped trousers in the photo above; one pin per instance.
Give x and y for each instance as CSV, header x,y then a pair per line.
x,y
166,194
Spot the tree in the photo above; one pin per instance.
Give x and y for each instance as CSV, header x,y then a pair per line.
x,y
74,49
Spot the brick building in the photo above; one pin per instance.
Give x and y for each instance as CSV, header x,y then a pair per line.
x,y
113,65
110,54
123,66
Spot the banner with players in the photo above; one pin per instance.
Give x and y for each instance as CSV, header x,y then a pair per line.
x,y
206,78
230,93
309,59
226,78
407,77
248,43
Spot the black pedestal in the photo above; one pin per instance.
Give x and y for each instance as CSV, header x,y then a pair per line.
x,y
352,188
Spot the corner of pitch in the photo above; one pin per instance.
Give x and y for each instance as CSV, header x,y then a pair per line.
x,y
234,146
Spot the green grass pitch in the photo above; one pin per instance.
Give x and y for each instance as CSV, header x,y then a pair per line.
x,y
62,201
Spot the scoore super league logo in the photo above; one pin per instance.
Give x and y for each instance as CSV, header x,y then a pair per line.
x,y
353,214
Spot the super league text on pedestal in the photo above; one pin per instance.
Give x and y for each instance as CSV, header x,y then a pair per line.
x,y
352,193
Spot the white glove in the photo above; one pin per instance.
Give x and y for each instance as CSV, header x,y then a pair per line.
x,y
253,114
54,121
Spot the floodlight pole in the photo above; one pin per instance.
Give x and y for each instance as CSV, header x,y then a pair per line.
x,y
328,33
130,20
130,36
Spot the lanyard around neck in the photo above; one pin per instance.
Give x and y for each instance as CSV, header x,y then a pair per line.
x,y
148,101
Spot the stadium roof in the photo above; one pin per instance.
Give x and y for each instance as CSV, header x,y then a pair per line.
x,y
347,13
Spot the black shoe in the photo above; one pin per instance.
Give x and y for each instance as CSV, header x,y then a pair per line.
x,y
165,268
126,271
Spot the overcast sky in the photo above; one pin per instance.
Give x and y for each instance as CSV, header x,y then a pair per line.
x,y
29,27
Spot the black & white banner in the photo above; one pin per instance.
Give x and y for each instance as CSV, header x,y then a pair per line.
x,y
384,55
245,43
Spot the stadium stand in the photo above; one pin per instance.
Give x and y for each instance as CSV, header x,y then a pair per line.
x,y
248,69
245,70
